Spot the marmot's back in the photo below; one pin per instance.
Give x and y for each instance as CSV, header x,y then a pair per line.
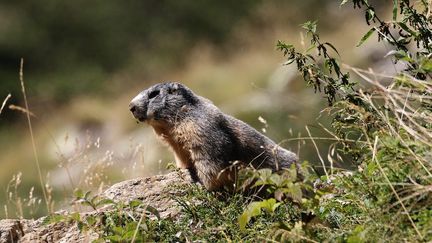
x,y
259,150
203,138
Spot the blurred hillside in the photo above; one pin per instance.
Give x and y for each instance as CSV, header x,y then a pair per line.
x,y
74,47
84,61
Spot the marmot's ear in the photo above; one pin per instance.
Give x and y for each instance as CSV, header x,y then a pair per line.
x,y
173,88
178,88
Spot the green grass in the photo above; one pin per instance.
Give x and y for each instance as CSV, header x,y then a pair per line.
x,y
203,216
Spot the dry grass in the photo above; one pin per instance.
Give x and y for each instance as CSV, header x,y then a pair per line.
x,y
4,102
36,157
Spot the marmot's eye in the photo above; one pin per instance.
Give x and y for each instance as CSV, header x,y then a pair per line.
x,y
153,94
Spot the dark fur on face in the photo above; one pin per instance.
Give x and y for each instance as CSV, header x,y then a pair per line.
x,y
164,102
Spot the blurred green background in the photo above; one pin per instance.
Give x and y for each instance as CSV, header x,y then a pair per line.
x,y
85,60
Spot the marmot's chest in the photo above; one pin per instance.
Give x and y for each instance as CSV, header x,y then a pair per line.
x,y
187,135
183,139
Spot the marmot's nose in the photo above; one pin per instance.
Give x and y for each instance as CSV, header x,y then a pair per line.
x,y
132,107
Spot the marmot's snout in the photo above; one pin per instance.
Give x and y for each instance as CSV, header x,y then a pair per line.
x,y
161,102
138,108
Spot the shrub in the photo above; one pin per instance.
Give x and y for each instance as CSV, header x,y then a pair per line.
x,y
385,128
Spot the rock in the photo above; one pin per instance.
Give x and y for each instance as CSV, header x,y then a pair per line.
x,y
10,230
156,191
36,231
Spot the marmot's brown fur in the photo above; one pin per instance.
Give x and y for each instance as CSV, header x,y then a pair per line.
x,y
204,139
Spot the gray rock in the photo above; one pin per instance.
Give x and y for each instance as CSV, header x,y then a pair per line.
x,y
156,191
10,230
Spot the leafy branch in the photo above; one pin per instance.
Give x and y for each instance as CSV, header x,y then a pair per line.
x,y
326,77
413,26
391,124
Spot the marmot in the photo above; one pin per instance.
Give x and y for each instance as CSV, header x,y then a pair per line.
x,y
203,138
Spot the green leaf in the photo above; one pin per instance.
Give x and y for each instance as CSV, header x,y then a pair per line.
x,y
289,62
79,193
254,209
153,211
332,47
55,218
395,4
366,36
91,220
370,14
292,172
265,173
426,65
243,220
310,26
259,182
357,235
406,28
75,216
310,57
87,194
130,227
371,168
282,45
268,204
400,55
278,194
295,192
275,179
87,203
271,205
93,201
129,235
118,230
80,225
104,202
114,238
135,203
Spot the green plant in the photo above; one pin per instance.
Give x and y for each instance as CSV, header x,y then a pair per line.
x,y
293,188
204,216
119,222
213,217
93,201
385,129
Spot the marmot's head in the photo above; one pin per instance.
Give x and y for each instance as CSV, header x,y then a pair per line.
x,y
164,102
